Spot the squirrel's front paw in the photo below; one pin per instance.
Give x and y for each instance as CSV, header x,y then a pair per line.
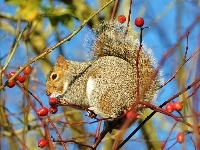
x,y
92,112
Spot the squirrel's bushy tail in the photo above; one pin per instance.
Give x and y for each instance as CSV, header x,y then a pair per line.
x,y
113,39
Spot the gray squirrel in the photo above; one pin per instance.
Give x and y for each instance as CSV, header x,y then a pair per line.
x,y
106,84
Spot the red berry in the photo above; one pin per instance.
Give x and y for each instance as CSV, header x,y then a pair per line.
x,y
53,101
11,84
180,137
177,106
130,115
12,73
27,70
139,22
169,107
53,110
121,18
43,111
42,143
21,78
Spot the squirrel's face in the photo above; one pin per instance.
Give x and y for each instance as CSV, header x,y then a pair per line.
x,y
55,83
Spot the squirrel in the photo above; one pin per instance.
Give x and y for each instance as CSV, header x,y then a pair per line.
x,y
106,84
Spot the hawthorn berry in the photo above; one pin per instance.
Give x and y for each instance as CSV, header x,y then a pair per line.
x,y
130,115
139,22
42,143
180,137
121,18
53,110
27,70
12,73
177,106
11,84
21,78
43,111
169,107
53,101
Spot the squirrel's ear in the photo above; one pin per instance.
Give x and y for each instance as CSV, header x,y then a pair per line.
x,y
62,62
60,59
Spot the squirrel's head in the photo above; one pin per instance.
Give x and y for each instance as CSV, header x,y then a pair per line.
x,y
55,80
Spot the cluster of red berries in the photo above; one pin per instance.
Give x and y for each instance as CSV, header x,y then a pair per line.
x,y
178,106
20,78
170,107
139,21
43,111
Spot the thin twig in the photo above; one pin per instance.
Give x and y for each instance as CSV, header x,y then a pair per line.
x,y
12,52
158,109
195,147
114,10
179,68
72,141
169,135
171,145
137,68
186,49
194,91
58,134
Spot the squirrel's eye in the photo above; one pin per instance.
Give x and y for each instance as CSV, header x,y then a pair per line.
x,y
54,76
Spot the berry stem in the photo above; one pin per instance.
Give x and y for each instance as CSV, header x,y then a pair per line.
x,y
137,66
141,35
